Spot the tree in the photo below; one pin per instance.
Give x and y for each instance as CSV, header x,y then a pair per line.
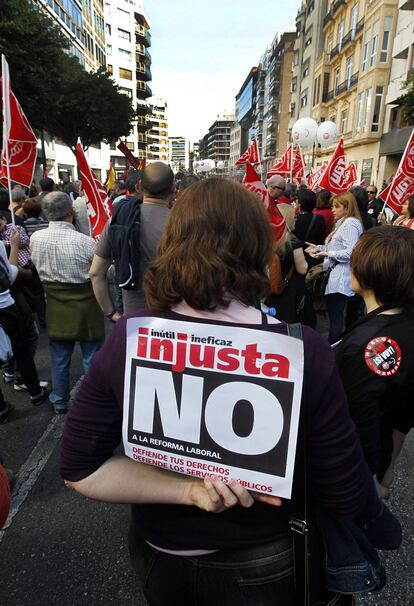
x,y
408,99
89,105
56,93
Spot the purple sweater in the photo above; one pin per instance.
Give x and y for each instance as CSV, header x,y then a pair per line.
x,y
336,468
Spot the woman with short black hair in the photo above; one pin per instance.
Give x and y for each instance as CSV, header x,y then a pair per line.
x,y
375,357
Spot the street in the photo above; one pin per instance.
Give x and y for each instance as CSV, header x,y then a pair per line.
x,y
62,549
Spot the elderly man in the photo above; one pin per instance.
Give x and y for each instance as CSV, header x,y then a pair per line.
x,y
62,257
276,186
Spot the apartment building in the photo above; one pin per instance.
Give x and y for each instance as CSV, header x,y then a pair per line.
x,y
129,61
81,21
158,148
307,47
178,154
396,131
218,139
273,98
351,77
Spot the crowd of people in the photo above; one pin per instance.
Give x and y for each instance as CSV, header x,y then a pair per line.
x,y
200,253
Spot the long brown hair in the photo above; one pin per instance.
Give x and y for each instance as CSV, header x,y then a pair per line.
x,y
217,242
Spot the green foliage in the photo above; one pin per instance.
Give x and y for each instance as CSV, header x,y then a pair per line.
x,y
56,93
408,99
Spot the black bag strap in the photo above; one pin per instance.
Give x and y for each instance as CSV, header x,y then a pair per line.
x,y
299,518
305,237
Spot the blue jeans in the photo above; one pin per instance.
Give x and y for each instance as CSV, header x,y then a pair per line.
x,y
61,354
255,576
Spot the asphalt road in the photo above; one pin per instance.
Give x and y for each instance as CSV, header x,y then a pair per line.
x,y
62,549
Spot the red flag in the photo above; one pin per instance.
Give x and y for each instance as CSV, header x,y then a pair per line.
x,y
395,194
283,166
298,168
99,205
402,185
333,177
315,177
350,174
250,155
252,181
129,155
18,138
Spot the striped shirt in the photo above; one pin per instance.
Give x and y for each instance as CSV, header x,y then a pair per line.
x,y
339,249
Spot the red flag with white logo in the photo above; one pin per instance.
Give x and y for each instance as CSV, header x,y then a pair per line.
x,y
252,182
250,155
395,194
333,177
350,174
283,165
19,141
315,176
99,205
298,168
402,185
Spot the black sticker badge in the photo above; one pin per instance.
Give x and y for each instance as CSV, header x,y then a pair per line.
x,y
383,356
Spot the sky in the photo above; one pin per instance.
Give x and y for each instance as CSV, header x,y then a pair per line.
x,y
202,51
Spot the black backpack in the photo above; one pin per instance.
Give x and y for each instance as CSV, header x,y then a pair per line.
x,y
124,236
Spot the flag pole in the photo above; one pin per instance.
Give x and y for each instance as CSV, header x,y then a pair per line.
x,y
9,182
6,125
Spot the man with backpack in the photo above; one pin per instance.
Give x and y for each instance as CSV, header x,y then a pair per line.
x,y
130,239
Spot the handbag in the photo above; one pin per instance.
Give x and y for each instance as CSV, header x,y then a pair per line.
x,y
307,546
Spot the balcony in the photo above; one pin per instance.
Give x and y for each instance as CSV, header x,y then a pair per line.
x,y
142,35
327,17
142,55
337,5
341,88
349,37
143,90
144,74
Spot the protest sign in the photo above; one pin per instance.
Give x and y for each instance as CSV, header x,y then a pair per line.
x,y
202,399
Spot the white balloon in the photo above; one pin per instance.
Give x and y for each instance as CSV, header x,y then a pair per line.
x,y
304,132
327,133
206,165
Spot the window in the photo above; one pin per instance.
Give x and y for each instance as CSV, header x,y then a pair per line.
x,y
295,58
377,108
126,91
130,145
308,37
349,70
316,90
329,45
292,108
341,29
108,29
366,172
366,51
294,85
304,98
368,94
336,81
125,54
360,103
385,39
306,69
374,44
124,35
109,49
344,121
126,74
354,20
123,15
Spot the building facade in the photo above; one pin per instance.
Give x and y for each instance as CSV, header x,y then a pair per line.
x,y
81,21
273,98
178,154
396,131
218,139
351,77
158,148
129,61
